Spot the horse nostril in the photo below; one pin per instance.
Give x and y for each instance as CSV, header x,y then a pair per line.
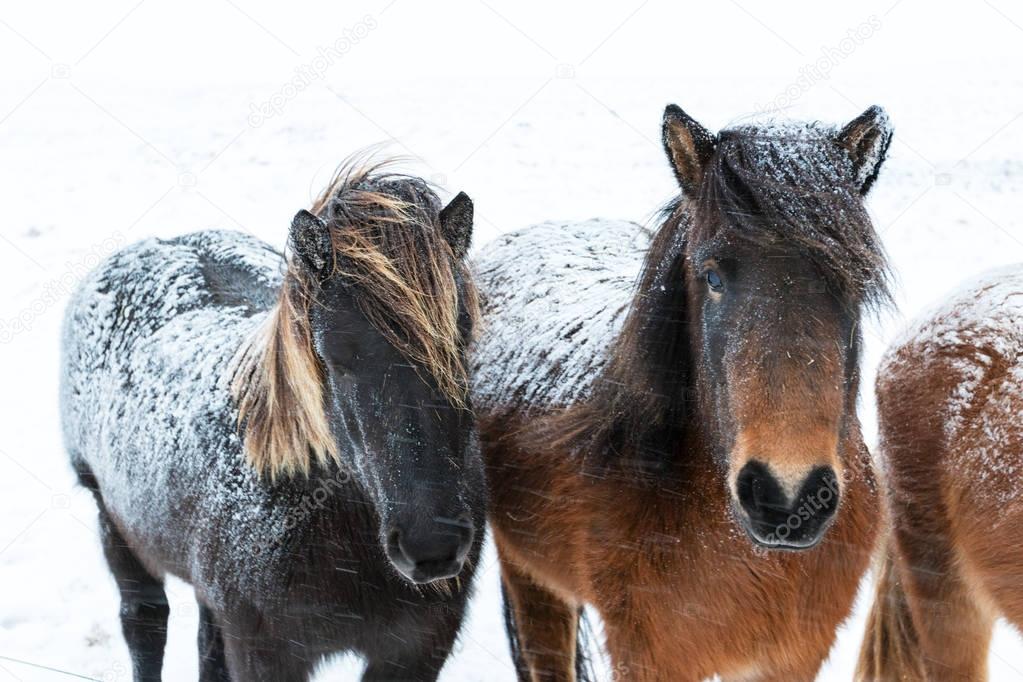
x,y
819,494
394,540
776,520
758,490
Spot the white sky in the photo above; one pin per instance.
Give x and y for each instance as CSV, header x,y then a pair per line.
x,y
253,41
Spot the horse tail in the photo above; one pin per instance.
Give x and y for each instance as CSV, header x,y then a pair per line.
x,y
583,637
890,648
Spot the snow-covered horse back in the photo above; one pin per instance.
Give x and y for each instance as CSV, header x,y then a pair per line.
x,y
660,410
289,435
950,400
551,315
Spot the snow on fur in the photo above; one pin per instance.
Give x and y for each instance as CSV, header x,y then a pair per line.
x,y
148,339
554,296
976,328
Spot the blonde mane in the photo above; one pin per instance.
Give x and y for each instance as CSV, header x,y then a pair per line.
x,y
405,281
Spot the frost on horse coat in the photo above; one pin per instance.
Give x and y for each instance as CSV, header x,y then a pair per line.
x,y
372,551
552,315
950,400
149,339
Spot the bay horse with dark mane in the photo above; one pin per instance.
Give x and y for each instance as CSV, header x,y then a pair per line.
x,y
298,447
669,419
950,400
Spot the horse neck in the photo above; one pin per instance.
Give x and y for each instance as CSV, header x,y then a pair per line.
x,y
646,383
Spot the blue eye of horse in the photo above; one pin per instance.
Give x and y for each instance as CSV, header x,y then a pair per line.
x,y
714,280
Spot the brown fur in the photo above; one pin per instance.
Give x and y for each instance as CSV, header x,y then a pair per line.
x,y
682,592
622,501
952,565
404,274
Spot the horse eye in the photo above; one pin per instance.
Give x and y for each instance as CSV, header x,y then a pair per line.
x,y
714,281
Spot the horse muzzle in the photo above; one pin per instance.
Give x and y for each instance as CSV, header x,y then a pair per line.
x,y
430,549
776,519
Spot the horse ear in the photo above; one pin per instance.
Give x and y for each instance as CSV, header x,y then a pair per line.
x,y
689,147
456,224
866,139
310,240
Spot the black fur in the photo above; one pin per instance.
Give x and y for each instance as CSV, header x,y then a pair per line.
x,y
373,554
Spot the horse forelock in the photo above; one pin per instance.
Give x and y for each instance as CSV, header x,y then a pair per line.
x,y
388,246
792,187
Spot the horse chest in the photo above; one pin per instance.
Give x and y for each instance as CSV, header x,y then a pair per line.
x,y
683,588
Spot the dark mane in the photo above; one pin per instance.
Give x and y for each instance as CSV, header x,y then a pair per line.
x,y
782,187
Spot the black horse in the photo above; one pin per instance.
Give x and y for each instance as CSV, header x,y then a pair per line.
x,y
298,447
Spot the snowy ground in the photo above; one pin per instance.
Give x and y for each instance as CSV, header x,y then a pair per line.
x,y
126,119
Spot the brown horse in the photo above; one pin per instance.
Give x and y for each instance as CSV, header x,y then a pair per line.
x,y
664,413
950,396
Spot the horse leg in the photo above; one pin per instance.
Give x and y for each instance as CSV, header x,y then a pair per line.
x,y
544,627
954,633
212,660
144,608
953,629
